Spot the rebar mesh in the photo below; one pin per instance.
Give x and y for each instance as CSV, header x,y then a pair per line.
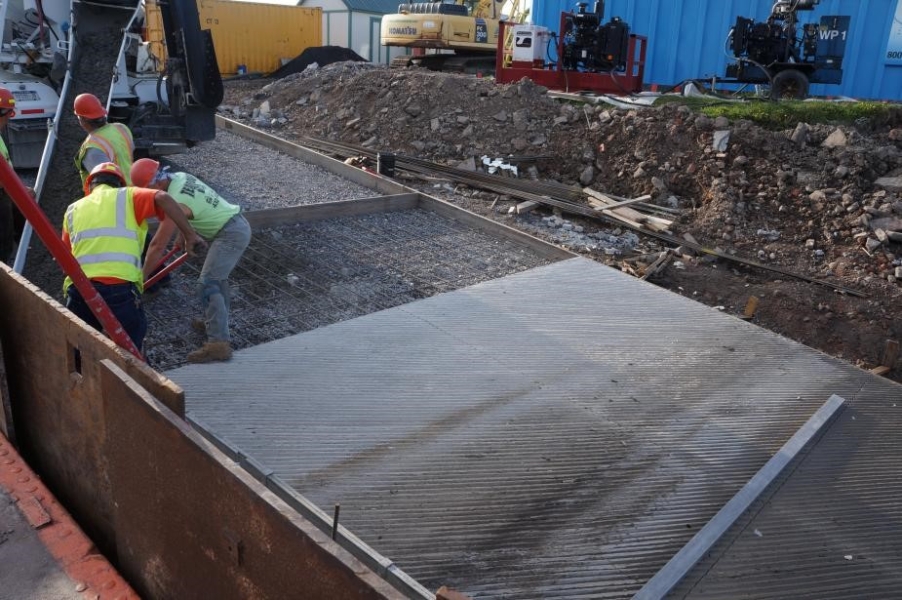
x,y
300,277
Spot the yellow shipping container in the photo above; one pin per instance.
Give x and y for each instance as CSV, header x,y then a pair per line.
x,y
258,36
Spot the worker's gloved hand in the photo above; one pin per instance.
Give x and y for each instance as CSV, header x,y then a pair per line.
x,y
193,245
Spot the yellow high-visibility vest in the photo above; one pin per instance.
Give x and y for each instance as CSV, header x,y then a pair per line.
x,y
106,239
113,139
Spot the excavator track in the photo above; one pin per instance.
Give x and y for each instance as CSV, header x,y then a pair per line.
x,y
97,31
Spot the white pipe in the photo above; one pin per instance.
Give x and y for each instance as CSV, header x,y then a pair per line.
x,y
52,135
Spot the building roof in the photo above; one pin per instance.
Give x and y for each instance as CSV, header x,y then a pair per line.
x,y
382,7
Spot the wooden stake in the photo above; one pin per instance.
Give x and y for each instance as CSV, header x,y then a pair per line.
x,y
750,307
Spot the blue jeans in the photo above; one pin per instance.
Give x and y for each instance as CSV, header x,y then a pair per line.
x,y
213,287
124,302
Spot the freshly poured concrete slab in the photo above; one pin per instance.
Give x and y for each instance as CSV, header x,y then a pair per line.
x,y
558,433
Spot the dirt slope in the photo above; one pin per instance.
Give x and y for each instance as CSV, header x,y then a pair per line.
x,y
815,200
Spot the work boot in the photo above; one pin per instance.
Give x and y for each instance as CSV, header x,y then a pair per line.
x,y
198,325
211,352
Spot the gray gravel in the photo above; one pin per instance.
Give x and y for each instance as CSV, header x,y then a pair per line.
x,y
255,177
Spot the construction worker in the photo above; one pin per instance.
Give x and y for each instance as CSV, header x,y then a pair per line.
x,y
106,231
218,222
106,142
8,212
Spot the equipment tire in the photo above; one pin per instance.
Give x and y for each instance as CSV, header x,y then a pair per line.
x,y
789,85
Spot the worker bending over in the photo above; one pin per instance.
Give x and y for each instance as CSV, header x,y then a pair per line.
x,y
218,222
106,231
106,142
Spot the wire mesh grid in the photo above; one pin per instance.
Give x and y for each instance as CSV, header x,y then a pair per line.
x,y
299,277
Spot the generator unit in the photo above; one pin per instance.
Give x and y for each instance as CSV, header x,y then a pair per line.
x,y
789,58
591,55
589,45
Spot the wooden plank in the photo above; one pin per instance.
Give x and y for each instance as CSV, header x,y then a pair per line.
x,y
523,207
656,266
614,203
608,205
305,213
890,354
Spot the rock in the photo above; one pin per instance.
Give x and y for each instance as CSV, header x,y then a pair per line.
x,y
881,235
741,161
500,116
659,184
894,236
837,139
898,273
890,184
519,144
434,125
587,176
413,109
895,135
871,244
721,122
539,140
638,173
800,135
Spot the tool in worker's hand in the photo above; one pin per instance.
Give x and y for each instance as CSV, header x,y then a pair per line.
x,y
166,269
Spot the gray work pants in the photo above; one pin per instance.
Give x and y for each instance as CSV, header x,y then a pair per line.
x,y
213,287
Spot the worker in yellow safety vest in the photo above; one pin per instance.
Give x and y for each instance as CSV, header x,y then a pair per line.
x,y
106,142
106,231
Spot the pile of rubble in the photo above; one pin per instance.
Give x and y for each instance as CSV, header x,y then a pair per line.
x,y
822,201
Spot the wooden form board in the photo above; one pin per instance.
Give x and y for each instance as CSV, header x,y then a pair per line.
x,y
55,396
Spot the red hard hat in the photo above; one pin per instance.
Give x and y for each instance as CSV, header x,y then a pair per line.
x,y
106,168
7,101
143,172
89,107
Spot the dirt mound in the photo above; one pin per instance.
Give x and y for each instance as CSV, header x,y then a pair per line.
x,y
821,201
321,55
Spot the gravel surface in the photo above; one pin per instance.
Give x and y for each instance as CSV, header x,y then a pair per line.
x,y
255,177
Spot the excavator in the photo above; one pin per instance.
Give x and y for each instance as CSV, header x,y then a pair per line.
x,y
457,36
165,90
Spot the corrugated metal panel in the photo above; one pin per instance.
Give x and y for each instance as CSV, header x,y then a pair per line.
x,y
379,7
832,530
687,38
258,36
559,433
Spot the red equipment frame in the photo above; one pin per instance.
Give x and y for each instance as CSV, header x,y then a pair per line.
x,y
556,77
22,198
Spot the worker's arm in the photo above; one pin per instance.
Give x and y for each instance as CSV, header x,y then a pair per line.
x,y
173,211
157,247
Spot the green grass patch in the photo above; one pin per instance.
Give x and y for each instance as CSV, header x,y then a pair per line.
x,y
786,114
